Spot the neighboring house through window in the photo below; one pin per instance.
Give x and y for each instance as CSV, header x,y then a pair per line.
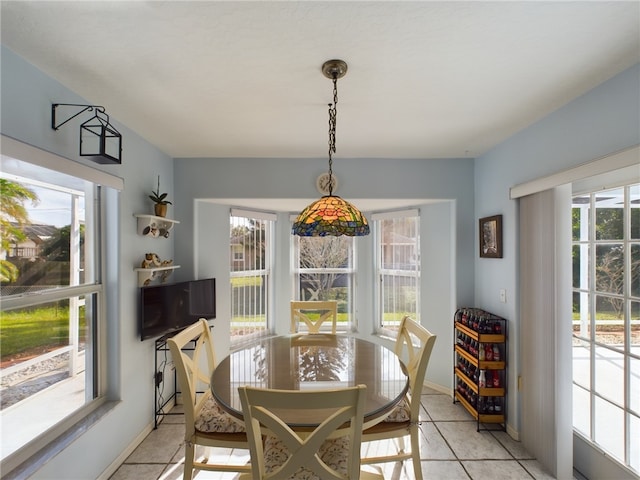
x,y
251,241
397,248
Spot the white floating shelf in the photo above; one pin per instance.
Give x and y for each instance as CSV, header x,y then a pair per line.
x,y
148,224
147,275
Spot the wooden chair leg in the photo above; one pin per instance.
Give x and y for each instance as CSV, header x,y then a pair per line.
x,y
415,451
189,455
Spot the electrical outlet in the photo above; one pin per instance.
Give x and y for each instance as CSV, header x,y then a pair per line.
x,y
503,295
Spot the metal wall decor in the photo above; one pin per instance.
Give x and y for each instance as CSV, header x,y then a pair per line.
x,y
331,215
99,140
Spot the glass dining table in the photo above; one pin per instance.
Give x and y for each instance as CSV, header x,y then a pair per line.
x,y
313,361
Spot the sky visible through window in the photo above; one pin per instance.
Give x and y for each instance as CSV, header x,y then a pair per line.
x,y
54,208
53,189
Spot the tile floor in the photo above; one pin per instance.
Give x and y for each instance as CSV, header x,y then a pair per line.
x,y
452,449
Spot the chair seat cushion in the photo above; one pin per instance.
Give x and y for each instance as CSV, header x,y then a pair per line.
x,y
335,453
401,413
213,419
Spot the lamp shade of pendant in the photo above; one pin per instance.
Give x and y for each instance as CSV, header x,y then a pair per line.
x,y
330,215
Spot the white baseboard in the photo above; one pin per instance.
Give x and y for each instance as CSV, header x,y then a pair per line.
x,y
111,469
439,388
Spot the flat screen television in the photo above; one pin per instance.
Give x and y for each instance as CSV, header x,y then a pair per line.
x,y
168,308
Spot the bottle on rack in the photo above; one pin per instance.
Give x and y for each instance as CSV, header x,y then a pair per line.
x,y
490,405
496,353
496,379
488,352
482,380
481,352
482,404
497,327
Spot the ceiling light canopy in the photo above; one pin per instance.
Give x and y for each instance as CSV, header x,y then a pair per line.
x,y
331,215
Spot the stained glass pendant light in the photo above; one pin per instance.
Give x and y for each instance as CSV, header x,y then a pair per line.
x,y
331,215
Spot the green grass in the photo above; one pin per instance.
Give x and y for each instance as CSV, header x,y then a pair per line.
x,y
29,329
246,281
600,316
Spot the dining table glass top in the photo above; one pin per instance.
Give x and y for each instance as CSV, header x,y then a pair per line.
x,y
312,361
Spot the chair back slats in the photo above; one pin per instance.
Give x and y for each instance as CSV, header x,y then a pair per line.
x,y
414,345
345,412
193,372
193,375
301,313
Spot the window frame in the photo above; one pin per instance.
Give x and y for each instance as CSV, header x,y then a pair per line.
x,y
267,272
28,458
383,328
349,271
588,292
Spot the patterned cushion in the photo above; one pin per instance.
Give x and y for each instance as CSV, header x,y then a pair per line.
x,y
332,452
401,413
213,419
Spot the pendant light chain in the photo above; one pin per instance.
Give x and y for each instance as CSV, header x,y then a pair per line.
x,y
331,215
333,112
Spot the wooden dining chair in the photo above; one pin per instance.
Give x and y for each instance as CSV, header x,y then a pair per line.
x,y
329,451
303,311
206,424
413,346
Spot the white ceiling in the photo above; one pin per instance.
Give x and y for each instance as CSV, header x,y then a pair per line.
x,y
242,79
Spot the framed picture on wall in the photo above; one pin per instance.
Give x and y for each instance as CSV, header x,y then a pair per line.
x,y
491,237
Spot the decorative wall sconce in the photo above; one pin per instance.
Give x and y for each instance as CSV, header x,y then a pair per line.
x,y
99,140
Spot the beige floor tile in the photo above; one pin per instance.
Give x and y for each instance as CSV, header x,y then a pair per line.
x,y
159,446
441,407
536,470
433,445
468,444
450,448
515,447
496,470
443,470
146,471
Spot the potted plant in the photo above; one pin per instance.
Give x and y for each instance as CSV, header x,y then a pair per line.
x,y
160,201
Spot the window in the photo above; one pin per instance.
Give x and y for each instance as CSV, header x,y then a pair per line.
x,y
397,246
606,321
323,269
251,240
52,302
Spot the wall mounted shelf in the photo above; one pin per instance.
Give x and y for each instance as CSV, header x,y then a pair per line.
x,y
147,224
147,275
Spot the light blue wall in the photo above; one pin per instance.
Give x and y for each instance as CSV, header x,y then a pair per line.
x,y
446,230
600,122
603,121
27,95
